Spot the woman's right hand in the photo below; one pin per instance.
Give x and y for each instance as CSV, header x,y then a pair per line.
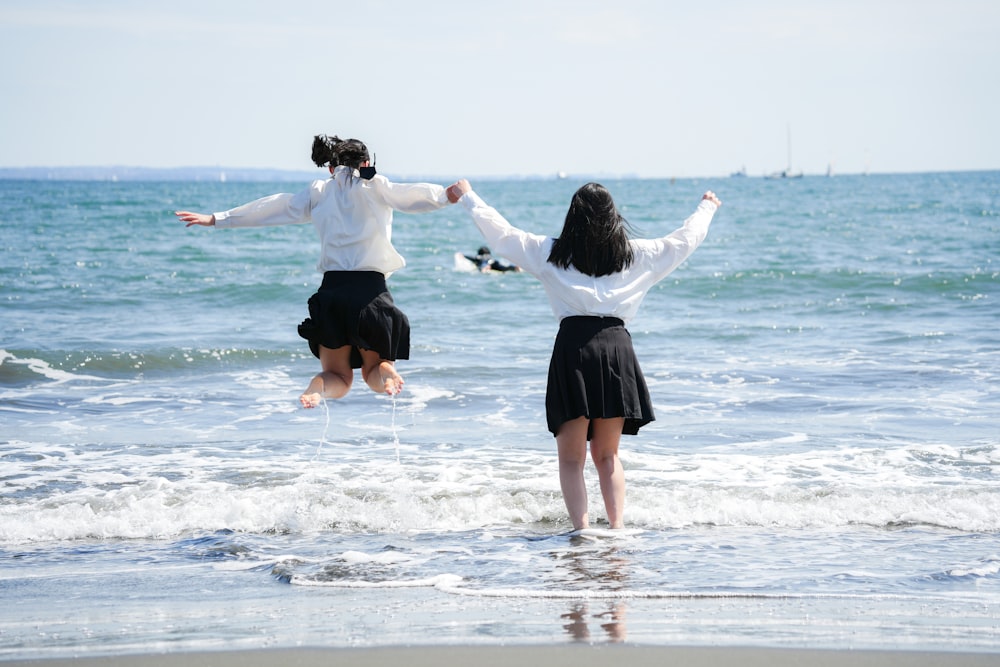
x,y
204,219
456,191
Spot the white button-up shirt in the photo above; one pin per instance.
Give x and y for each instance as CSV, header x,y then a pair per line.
x,y
571,292
353,217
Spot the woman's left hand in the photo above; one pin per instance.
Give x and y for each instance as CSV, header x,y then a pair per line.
x,y
204,219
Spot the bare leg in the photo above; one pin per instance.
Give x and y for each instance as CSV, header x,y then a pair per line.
x,y
380,374
335,379
604,451
572,443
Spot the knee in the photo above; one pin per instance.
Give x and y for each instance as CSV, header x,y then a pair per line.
x,y
569,456
603,457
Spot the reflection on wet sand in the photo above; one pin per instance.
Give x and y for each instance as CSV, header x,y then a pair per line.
x,y
604,569
612,621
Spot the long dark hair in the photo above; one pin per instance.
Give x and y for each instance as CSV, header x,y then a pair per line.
x,y
334,151
594,238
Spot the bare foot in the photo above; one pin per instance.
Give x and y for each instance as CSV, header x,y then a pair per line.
x,y
392,381
310,400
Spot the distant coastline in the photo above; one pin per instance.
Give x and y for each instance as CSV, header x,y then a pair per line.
x,y
259,174
243,175
221,174
209,174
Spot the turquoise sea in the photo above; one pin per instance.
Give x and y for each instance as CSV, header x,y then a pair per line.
x,y
824,470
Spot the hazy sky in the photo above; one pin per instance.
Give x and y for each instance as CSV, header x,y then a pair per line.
x,y
652,88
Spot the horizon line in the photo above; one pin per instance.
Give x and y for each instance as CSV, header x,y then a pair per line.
x,y
240,174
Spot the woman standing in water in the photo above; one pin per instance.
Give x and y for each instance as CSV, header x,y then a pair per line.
x,y
353,321
595,277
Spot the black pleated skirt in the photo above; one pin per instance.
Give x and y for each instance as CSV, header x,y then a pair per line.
x,y
355,308
594,373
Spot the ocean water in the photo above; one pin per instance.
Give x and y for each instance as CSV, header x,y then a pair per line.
x,y
824,470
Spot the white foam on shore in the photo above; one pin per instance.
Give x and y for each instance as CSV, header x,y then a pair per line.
x,y
436,581
154,492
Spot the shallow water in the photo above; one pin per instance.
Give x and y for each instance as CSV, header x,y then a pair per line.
x,y
822,471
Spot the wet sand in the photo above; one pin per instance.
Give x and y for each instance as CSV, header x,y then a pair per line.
x,y
531,656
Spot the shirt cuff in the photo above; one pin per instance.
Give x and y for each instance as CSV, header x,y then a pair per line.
x,y
471,200
708,205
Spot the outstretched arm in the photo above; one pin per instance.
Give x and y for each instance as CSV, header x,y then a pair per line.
x,y
667,253
203,219
504,239
411,197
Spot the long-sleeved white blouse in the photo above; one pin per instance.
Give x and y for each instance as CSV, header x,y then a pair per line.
x,y
353,217
571,292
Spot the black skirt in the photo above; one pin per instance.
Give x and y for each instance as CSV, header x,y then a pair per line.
x,y
594,373
355,308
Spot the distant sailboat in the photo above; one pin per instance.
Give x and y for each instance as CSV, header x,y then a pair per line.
x,y
787,171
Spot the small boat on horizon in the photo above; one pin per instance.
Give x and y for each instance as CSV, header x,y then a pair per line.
x,y
787,171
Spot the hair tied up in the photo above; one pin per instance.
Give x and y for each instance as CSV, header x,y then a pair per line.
x,y
333,151
324,150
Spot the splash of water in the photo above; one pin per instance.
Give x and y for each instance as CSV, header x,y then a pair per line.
x,y
395,434
326,429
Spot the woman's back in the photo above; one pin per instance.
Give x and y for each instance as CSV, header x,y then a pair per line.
x,y
354,224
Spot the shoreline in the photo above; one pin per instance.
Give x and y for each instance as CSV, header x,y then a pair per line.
x,y
529,656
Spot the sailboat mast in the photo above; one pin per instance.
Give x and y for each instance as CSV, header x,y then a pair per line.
x,y
789,132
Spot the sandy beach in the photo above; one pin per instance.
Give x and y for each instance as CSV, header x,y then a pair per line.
x,y
530,656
